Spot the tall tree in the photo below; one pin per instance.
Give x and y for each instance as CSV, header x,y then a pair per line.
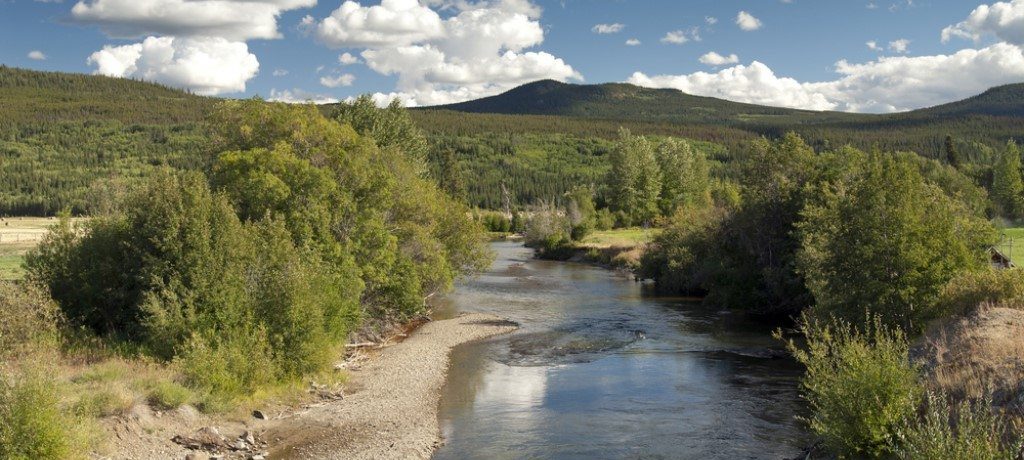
x,y
684,176
881,239
952,156
634,182
1007,184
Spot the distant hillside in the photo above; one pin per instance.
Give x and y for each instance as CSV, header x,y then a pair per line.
x,y
977,124
621,101
28,96
618,101
1004,101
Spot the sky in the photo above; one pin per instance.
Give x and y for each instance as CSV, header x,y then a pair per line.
x,y
849,55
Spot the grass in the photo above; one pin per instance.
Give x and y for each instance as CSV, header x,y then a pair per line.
x,y
1012,244
18,235
624,237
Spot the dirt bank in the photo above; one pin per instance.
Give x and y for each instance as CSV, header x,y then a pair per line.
x,y
388,409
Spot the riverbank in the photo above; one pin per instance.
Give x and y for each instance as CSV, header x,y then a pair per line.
x,y
386,409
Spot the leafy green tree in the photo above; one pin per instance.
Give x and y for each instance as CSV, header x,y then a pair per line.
x,y
1007,185
882,239
684,176
635,179
756,256
389,128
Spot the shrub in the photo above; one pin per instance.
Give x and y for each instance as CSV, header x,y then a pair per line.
x,y
33,424
963,431
677,258
168,394
28,319
968,290
860,385
103,400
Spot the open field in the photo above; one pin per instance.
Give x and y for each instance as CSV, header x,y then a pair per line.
x,y
17,236
626,237
1012,244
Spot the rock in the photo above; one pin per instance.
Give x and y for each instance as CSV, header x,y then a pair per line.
x,y
241,445
249,438
206,438
259,415
197,456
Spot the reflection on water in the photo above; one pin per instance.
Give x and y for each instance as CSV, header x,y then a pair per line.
x,y
601,370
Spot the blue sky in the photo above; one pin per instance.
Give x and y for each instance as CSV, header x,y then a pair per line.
x,y
799,53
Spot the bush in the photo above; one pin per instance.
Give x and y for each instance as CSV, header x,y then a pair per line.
x,y
112,398
33,424
29,319
968,290
678,257
964,431
168,394
860,384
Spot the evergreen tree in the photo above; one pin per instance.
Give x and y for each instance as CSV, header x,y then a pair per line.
x,y
952,156
1007,184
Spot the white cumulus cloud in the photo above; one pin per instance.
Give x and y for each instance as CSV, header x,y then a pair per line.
x,y
1004,20
715,59
747,21
345,79
901,46
36,55
888,84
348,59
206,65
607,28
235,20
480,49
632,42
392,23
298,96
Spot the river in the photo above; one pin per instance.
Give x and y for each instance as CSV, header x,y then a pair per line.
x,y
601,368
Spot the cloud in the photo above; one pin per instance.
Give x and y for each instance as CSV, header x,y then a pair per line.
x,y
345,79
608,28
679,37
280,72
235,20
36,55
480,49
1005,20
207,65
747,21
348,59
711,20
715,59
888,84
392,23
298,96
632,42
901,46
873,46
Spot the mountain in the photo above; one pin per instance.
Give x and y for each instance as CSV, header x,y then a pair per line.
x,y
29,96
617,101
621,101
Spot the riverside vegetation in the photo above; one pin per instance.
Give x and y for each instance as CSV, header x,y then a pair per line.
x,y
873,253
225,287
219,273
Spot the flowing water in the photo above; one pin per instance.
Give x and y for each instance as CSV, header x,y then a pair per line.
x,y
600,368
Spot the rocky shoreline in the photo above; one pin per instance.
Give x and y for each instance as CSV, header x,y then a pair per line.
x,y
388,409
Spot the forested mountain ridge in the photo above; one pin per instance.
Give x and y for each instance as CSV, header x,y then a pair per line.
x,y
62,135
613,101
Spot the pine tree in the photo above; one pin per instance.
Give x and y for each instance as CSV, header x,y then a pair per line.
x,y
1007,184
952,156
